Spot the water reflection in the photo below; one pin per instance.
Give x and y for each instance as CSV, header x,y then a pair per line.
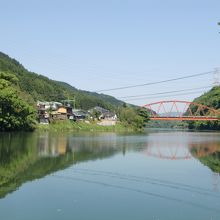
x,y
168,150
208,153
52,145
28,156
178,147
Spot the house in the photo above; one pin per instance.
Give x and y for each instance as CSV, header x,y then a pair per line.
x,y
49,105
108,116
104,114
59,114
98,109
69,112
43,115
54,105
53,111
80,114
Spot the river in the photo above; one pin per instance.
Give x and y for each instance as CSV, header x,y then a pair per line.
x,y
158,175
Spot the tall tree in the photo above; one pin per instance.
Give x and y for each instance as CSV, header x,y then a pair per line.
x,y
15,113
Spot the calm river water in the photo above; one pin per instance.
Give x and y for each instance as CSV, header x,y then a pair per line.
x,y
159,175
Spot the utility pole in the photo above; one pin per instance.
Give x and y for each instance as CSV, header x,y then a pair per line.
x,y
216,77
70,100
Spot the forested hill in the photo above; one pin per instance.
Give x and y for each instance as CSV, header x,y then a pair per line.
x,y
38,87
210,99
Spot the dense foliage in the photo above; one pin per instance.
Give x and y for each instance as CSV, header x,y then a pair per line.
x,y
15,113
167,124
210,99
133,117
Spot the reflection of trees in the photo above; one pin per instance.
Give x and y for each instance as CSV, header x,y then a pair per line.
x,y
208,153
28,156
21,160
204,149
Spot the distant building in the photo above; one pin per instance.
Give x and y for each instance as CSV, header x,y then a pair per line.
x,y
104,113
109,116
69,112
59,114
53,111
79,114
43,115
98,109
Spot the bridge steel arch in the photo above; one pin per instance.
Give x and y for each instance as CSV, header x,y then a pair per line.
x,y
192,111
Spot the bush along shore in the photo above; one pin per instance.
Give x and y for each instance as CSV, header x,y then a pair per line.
x,y
59,126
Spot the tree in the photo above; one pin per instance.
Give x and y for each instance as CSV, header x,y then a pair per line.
x,y
95,114
144,114
15,113
133,117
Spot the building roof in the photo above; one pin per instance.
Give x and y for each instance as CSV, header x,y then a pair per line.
x,y
99,109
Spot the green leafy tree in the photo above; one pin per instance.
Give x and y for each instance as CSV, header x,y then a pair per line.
x,y
15,113
133,117
144,114
95,114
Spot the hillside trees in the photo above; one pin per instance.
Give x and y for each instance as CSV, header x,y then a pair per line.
x,y
39,87
15,112
212,100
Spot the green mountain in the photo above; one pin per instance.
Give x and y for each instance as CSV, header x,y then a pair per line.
x,y
212,100
38,87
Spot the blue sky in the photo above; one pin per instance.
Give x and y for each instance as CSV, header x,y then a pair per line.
x,y
95,45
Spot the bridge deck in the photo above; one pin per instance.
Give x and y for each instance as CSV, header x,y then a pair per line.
x,y
196,118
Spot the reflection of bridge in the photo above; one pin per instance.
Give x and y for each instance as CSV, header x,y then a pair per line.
x,y
184,111
178,151
169,152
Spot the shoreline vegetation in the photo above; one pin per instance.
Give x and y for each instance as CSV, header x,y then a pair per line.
x,y
61,126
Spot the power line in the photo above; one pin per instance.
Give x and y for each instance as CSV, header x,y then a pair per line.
x,y
163,96
160,93
153,83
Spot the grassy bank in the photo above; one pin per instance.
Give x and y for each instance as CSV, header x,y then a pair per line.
x,y
83,126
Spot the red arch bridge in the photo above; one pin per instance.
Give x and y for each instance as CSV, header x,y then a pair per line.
x,y
181,111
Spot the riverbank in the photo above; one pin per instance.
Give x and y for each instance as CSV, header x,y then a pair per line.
x,y
60,126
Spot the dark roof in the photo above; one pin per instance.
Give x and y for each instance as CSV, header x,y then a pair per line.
x,y
99,109
108,114
79,112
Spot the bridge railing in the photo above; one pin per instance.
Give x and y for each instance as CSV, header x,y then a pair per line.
x,y
184,110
